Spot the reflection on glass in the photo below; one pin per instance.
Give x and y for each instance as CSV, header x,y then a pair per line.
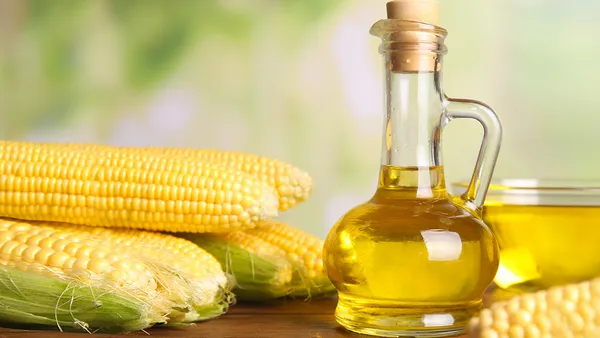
x,y
442,319
442,245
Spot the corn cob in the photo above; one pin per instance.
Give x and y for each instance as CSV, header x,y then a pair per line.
x,y
304,250
210,288
113,186
292,184
570,311
185,273
74,284
260,270
275,243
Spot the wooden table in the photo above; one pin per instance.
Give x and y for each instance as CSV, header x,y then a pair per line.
x,y
281,319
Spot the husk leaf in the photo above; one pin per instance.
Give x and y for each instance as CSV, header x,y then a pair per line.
x,y
35,300
256,277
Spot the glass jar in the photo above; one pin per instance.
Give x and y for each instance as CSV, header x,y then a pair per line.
x,y
548,230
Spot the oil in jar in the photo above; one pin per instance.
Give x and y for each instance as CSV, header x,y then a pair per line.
x,y
409,261
544,245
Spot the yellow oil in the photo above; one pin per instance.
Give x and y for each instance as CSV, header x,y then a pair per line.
x,y
409,262
542,246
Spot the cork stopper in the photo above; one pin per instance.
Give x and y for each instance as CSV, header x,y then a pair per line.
x,y
410,60
425,11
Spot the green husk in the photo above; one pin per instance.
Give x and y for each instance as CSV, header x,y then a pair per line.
x,y
204,310
192,300
257,277
303,287
224,300
32,300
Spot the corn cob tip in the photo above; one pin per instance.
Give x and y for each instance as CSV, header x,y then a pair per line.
x,y
294,188
291,184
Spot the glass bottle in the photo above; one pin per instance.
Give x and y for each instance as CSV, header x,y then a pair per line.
x,y
414,260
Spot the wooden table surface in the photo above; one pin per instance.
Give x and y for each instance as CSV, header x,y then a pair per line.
x,y
281,319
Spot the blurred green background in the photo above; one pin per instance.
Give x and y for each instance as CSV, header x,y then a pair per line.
x,y
297,80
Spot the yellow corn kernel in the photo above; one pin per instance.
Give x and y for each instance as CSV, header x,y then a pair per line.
x,y
58,259
128,187
8,246
43,255
561,311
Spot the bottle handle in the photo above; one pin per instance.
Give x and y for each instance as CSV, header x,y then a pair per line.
x,y
474,196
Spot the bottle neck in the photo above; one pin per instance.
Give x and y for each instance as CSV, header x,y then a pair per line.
x,y
412,132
